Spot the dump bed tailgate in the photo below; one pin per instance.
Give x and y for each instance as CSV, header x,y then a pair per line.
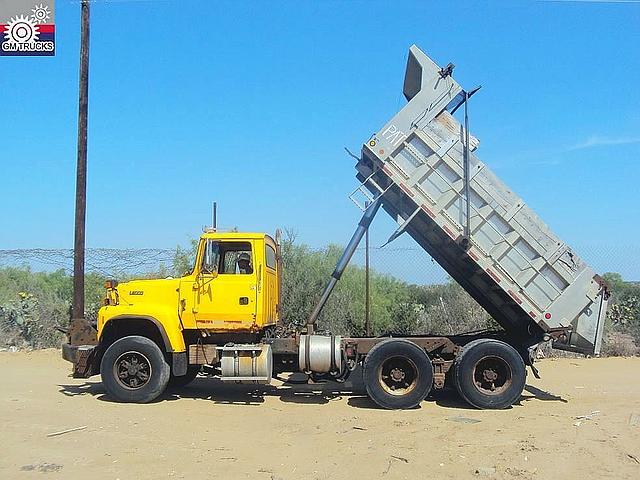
x,y
531,282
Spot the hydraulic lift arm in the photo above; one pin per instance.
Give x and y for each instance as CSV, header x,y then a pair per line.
x,y
363,225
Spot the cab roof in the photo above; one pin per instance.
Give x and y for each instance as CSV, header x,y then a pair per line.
x,y
234,235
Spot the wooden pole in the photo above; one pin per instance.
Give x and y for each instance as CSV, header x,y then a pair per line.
x,y
81,169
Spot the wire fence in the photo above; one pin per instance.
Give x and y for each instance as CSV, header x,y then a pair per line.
x,y
109,262
411,265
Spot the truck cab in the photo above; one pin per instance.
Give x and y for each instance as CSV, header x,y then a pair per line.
x,y
233,286
232,289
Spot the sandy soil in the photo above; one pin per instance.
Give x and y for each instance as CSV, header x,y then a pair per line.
x,y
211,430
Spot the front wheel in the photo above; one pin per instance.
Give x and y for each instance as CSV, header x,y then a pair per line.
x,y
398,374
490,374
134,370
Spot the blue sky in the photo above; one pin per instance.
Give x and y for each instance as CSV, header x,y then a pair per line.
x,y
251,104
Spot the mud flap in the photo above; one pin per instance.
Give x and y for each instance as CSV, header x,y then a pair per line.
x,y
82,347
82,357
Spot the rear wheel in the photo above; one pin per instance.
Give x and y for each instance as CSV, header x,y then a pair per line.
x,y
398,374
183,380
490,374
133,369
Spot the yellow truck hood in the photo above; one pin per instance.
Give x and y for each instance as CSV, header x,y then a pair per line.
x,y
144,291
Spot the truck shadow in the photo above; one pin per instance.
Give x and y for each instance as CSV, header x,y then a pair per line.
x,y
246,394
219,392
87,388
537,394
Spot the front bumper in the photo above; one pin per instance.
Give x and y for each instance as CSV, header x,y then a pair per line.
x,y
82,357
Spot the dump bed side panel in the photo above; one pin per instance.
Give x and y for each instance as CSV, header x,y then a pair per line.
x,y
530,281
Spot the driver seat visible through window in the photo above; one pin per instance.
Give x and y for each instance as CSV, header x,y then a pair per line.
x,y
235,258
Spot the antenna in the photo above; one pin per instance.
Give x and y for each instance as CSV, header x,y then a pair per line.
x,y
214,225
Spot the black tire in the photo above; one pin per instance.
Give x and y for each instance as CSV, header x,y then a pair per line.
x,y
134,370
489,374
397,374
183,380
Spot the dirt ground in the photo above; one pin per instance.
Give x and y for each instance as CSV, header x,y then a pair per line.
x,y
211,430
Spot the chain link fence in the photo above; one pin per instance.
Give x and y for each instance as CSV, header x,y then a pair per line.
x,y
411,265
410,292
110,262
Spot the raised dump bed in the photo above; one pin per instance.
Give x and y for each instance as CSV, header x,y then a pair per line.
x,y
527,279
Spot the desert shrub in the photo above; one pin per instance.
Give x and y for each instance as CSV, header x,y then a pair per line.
x,y
34,304
618,344
29,321
305,275
448,309
622,326
624,315
545,350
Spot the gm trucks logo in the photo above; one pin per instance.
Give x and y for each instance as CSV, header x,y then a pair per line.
x,y
27,29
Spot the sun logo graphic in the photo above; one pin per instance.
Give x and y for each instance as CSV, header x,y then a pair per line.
x,y
21,30
40,13
27,33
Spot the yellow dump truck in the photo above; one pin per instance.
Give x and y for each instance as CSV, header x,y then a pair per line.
x,y
223,318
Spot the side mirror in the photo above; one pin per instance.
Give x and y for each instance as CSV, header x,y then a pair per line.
x,y
200,277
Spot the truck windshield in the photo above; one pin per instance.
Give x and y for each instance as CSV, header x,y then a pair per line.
x,y
211,259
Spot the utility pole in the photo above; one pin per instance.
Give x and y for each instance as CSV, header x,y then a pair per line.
x,y
81,174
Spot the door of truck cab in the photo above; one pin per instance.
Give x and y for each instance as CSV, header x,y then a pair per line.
x,y
270,285
225,290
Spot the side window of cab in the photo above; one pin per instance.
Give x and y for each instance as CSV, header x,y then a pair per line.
x,y
270,257
236,258
227,258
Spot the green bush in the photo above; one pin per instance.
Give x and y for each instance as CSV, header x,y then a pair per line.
x,y
305,275
34,304
622,325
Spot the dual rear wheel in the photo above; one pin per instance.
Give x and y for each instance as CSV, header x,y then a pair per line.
x,y
397,374
488,374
